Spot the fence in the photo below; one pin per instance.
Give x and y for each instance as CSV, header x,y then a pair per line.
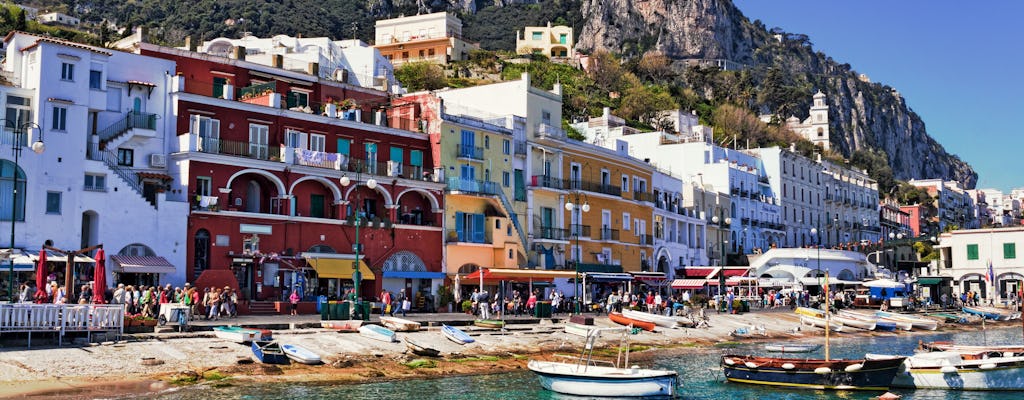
x,y
61,319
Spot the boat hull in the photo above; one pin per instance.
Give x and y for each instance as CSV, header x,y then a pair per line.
x,y
604,381
994,314
919,323
300,354
421,350
934,371
855,323
400,324
806,374
236,334
489,323
659,320
268,352
791,347
377,332
620,319
343,325
456,335
820,323
577,329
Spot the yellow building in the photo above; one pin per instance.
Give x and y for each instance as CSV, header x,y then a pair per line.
x,y
435,37
551,41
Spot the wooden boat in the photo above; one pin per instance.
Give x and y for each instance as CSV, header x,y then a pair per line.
x,y
456,335
820,323
958,371
879,324
420,350
992,313
960,348
659,320
854,322
577,329
268,352
489,323
346,325
791,347
810,312
300,354
400,324
237,334
900,323
620,319
821,374
377,332
583,377
919,323
265,335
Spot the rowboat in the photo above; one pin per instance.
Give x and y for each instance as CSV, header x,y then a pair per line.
x,y
584,378
377,332
237,334
659,320
960,348
854,322
345,325
919,323
620,319
820,323
577,329
268,352
810,312
489,323
900,323
821,374
959,371
992,313
400,324
879,324
420,350
456,335
791,347
300,354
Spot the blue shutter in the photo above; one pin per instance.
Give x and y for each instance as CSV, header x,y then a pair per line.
x,y
344,146
396,154
416,158
478,228
460,224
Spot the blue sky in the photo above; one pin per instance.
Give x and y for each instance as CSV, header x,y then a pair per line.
x,y
959,65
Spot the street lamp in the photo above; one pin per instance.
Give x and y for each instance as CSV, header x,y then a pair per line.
x,y
578,201
817,239
897,236
38,147
371,184
722,241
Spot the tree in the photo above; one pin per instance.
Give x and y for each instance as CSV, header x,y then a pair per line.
x,y
20,24
606,71
654,66
421,76
641,103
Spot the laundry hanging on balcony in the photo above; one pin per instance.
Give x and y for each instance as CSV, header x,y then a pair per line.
x,y
316,158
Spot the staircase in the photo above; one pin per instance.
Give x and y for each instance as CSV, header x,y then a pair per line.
x,y
512,215
118,131
262,308
126,174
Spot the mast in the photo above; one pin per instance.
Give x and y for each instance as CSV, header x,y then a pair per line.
x,y
827,317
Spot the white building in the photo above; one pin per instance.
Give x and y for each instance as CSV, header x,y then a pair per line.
x,y
851,205
815,127
954,206
103,175
967,254
785,267
58,18
551,41
678,232
797,180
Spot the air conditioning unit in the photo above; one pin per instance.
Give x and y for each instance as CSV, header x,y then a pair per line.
x,y
157,160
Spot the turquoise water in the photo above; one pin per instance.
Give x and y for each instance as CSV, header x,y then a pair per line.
x,y
699,381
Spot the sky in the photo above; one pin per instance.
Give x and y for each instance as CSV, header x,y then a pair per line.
x,y
958,64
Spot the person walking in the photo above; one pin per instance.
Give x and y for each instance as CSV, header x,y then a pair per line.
x,y
485,310
406,304
294,299
385,302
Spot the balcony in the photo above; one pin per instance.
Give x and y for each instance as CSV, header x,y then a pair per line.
x,y
457,236
472,186
550,233
609,234
545,131
547,181
643,196
595,187
645,240
577,230
470,152
520,148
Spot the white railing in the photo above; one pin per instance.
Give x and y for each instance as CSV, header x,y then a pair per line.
x,y
61,319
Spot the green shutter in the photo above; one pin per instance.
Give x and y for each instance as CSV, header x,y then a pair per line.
x,y
1009,251
344,146
396,154
416,158
972,252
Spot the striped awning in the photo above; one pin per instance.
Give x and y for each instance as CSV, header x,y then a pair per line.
x,y
689,283
141,265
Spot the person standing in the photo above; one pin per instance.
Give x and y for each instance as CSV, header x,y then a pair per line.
x,y
385,302
119,294
485,311
294,299
406,304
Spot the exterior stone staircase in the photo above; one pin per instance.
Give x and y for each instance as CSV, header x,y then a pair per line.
x,y
262,308
118,132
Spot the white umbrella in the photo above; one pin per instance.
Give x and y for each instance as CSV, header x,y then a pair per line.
x,y
883,283
458,289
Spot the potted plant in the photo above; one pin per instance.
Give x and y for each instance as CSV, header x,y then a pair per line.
x,y
467,306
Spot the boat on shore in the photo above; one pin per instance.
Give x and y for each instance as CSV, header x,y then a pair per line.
x,y
300,354
879,324
346,325
960,348
377,332
819,322
237,334
899,323
489,323
268,352
810,312
852,322
583,377
577,329
960,371
659,320
456,335
915,322
399,324
992,313
420,350
791,347
863,374
620,319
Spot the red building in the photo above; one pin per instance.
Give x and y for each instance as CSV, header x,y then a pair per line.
x,y
914,221
261,152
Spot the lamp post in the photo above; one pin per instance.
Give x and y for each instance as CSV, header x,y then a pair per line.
x,y
578,200
371,184
16,143
722,240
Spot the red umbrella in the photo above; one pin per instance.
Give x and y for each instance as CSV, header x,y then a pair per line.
x,y
99,276
41,272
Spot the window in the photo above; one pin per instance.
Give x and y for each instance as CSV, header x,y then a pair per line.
x,y
297,99
19,111
344,146
126,157
972,252
316,205
208,130
95,79
562,38
487,142
95,182
625,183
204,186
625,221
545,117
506,147
1009,251
53,202
506,179
258,141
317,142
536,35
8,172
295,139
67,72
469,227
60,119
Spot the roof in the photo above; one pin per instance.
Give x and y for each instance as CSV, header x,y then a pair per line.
x,y
155,175
689,283
46,39
143,264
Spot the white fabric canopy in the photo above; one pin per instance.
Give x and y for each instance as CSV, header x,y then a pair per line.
x,y
883,283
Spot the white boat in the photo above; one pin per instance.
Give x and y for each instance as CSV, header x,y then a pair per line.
x,y
820,323
300,354
791,347
577,329
236,334
900,323
810,312
400,324
583,377
919,323
659,320
959,371
854,322
456,335
377,332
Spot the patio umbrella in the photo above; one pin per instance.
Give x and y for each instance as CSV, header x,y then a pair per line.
x,y
882,283
458,289
41,272
99,277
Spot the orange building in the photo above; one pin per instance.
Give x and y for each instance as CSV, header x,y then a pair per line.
x,y
435,38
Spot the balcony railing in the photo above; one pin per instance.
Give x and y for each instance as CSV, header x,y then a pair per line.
x,y
643,196
577,230
520,149
454,236
236,148
457,184
547,131
257,90
595,187
645,240
550,233
133,120
609,234
547,181
471,152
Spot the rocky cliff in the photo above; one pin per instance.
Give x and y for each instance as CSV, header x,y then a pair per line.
x,y
864,115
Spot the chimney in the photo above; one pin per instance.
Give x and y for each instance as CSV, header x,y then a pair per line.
x,y
557,89
277,61
240,53
526,78
606,112
314,69
189,44
143,33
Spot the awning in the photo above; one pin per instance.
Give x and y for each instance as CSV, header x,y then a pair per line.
x,y
811,281
929,281
733,271
414,274
648,276
155,175
22,261
140,265
741,281
699,272
689,283
518,275
608,277
340,268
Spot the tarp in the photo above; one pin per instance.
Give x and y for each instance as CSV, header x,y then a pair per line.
x,y
648,276
414,274
702,273
883,283
339,268
519,275
929,281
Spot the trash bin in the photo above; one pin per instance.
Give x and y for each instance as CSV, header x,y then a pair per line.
x,y
325,310
745,306
341,310
320,301
542,309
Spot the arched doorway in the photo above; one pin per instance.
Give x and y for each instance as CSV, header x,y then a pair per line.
x,y
200,253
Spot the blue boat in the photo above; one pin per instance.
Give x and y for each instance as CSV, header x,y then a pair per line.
x,y
994,314
455,334
269,352
885,326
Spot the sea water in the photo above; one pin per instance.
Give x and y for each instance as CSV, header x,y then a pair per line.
x,y
698,370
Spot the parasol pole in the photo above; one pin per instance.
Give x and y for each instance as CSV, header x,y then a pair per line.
x,y
827,317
